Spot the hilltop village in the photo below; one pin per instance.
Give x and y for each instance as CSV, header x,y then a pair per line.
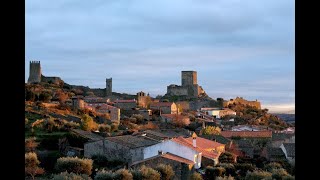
x,y
76,132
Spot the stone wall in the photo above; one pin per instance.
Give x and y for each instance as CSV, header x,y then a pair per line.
x,y
113,151
240,100
54,80
175,90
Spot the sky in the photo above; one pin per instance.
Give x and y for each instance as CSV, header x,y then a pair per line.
x,y
242,48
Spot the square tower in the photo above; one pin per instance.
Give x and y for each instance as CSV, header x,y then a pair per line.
x,y
34,72
108,86
189,78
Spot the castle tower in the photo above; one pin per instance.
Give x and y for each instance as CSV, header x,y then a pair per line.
x,y
189,78
109,87
34,72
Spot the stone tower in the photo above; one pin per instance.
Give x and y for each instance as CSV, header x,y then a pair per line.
x,y
189,78
109,87
35,72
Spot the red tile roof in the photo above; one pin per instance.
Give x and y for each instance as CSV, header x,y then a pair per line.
x,y
125,101
161,104
205,152
258,134
167,156
177,158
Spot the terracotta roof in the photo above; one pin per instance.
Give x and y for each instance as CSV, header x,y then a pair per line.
x,y
177,158
257,134
125,101
133,141
161,104
200,146
106,106
167,156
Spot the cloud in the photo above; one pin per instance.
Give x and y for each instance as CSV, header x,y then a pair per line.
x,y
243,48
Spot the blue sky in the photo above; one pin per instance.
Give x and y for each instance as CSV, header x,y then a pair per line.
x,y
240,48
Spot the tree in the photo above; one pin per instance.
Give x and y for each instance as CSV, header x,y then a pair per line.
x,y
32,165
71,176
87,123
166,171
196,176
211,130
273,165
121,174
104,128
75,165
181,121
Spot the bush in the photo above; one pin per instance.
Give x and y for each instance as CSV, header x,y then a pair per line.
x,y
104,128
74,164
136,174
100,160
227,157
257,175
149,173
196,176
114,127
71,176
123,174
32,165
230,169
30,145
225,178
273,165
139,118
211,130
244,168
166,171
104,175
278,174
212,172
87,123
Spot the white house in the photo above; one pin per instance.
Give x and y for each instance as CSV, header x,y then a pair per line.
x,y
218,113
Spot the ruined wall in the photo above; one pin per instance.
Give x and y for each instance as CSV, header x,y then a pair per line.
x,y
240,100
54,80
34,72
175,90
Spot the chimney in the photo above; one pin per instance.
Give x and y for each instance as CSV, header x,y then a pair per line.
x,y
194,142
160,152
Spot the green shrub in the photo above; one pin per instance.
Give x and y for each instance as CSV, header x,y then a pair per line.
x,y
258,175
149,173
166,171
196,176
71,176
104,175
230,169
273,165
75,165
244,168
278,174
136,174
123,174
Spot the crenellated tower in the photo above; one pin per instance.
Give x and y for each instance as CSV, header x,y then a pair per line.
x,y
34,72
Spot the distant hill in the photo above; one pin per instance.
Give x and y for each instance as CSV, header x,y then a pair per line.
x,y
285,117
